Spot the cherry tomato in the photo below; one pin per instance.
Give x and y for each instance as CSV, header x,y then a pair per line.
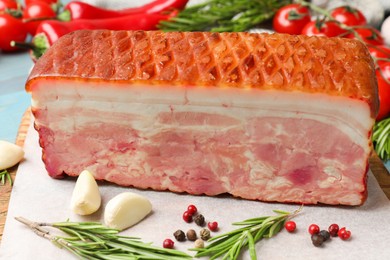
x,y
11,29
290,226
8,4
381,52
330,29
383,90
369,35
349,16
37,10
291,19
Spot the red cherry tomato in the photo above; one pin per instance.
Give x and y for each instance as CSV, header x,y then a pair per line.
x,y
291,19
37,10
380,52
349,16
383,90
11,29
330,29
8,4
369,35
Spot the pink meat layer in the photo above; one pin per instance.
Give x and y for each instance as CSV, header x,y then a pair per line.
x,y
263,158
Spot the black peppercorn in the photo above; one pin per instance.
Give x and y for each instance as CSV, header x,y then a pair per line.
x,y
199,243
199,220
317,239
179,235
191,235
204,234
325,234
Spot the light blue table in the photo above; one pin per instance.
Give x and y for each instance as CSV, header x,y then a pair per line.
x,y
14,101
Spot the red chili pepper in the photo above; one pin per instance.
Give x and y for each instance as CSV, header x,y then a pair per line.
x,y
50,31
53,29
80,10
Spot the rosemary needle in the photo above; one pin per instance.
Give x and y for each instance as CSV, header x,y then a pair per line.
x,y
381,138
5,175
223,15
92,240
230,244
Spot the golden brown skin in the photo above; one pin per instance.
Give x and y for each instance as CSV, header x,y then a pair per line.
x,y
335,66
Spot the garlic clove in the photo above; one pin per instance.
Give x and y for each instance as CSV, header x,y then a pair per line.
x,y
10,154
126,210
86,197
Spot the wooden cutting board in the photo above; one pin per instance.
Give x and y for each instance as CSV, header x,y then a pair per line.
x,y
376,166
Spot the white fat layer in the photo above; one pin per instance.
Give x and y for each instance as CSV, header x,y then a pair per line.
x,y
349,115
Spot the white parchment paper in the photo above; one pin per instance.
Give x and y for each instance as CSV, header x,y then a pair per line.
x,y
38,197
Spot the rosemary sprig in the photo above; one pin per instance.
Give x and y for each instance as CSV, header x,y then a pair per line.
x,y
230,244
92,240
223,15
381,138
5,175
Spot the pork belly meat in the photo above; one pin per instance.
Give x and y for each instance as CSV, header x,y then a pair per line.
x,y
264,117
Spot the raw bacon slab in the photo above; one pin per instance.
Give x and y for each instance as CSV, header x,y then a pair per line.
x,y
263,117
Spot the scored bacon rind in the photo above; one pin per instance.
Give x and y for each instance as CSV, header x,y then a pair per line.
x,y
335,66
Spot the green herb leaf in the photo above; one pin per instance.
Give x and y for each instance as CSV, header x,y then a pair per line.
x,y
223,16
251,244
230,244
5,176
93,240
381,139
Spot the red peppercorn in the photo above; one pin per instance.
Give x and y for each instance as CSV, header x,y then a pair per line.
x,y
344,234
213,226
168,243
333,230
187,217
290,226
192,209
314,229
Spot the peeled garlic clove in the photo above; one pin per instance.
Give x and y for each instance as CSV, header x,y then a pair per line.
x,y
86,196
10,154
126,210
